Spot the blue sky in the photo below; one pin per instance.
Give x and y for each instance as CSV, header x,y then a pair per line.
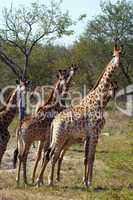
x,y
75,7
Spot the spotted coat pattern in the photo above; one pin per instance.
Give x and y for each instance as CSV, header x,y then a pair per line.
x,y
6,117
82,121
37,128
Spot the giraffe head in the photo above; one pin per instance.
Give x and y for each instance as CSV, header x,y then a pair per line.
x,y
116,51
64,78
23,84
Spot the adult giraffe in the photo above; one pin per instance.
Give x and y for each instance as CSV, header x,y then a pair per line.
x,y
82,121
111,94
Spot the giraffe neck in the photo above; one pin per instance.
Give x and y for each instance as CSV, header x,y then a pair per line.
x,y
9,113
50,99
57,98
108,72
57,103
99,93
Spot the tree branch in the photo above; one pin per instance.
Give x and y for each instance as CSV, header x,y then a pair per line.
x,y
39,38
13,66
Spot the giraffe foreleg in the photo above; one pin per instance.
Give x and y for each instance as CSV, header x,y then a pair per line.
x,y
86,147
2,151
18,169
25,155
39,180
39,151
4,139
54,159
65,148
45,149
15,157
91,157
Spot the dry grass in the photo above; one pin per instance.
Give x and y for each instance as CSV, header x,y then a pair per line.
x,y
113,169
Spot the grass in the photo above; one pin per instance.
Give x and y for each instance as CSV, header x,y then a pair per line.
x,y
113,169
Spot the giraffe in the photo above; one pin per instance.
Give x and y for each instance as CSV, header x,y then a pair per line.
x,y
6,117
111,93
50,99
37,128
81,121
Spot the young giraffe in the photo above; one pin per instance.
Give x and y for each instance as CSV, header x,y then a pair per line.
x,y
111,93
50,101
82,121
38,127
6,117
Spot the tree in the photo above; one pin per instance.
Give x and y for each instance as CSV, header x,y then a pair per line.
x,y
23,28
114,22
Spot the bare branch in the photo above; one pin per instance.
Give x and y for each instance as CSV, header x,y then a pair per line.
x,y
24,28
13,66
40,37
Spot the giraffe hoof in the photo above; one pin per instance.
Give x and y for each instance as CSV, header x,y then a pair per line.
x,y
17,181
58,179
25,183
87,183
39,182
50,183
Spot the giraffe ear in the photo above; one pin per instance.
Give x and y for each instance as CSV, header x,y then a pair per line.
x,y
17,82
60,70
28,82
57,76
59,73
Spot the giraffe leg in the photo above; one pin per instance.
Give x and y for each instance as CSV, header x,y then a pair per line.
x,y
2,151
18,168
39,151
25,155
54,159
86,146
15,156
65,148
4,139
45,149
91,157
44,164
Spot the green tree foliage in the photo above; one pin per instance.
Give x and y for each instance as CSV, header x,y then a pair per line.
x,y
23,28
92,51
114,22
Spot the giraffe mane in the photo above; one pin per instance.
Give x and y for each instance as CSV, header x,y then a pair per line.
x,y
49,99
98,80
